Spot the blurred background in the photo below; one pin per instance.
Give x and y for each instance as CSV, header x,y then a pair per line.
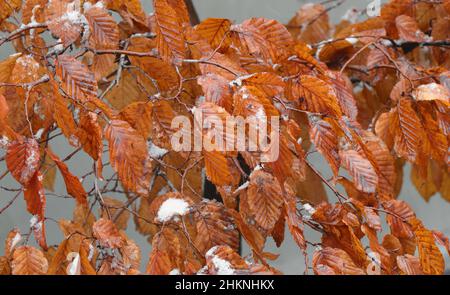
x,y
435,213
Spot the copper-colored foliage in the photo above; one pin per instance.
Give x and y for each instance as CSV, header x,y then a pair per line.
x,y
22,159
264,199
171,45
362,171
431,258
215,227
77,81
128,150
27,260
317,96
347,109
63,17
104,30
332,261
215,31
73,184
107,233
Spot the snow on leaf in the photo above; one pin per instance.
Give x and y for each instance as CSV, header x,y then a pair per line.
x,y
107,233
171,208
22,159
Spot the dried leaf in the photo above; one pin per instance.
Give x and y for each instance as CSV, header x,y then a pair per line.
x,y
107,234
22,159
73,184
170,38
264,199
128,155
77,81
27,260
362,171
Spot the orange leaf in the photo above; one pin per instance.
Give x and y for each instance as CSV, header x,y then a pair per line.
x,y
215,30
362,171
270,83
22,159
107,233
28,260
211,220
265,199
73,184
128,154
325,139
139,116
333,261
408,139
408,29
104,30
77,81
170,38
64,20
431,258
217,169
317,96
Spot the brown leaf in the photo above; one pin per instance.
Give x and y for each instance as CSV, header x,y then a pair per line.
x,y
58,258
408,139
73,184
215,227
295,224
401,212
107,234
217,169
265,199
11,241
431,258
431,92
27,260
264,38
333,261
326,141
215,30
270,83
22,159
408,29
89,134
311,23
77,81
139,116
362,171
104,30
131,254
8,7
5,269
64,118
128,155
115,206
170,38
4,109
409,265
317,96
166,253
64,20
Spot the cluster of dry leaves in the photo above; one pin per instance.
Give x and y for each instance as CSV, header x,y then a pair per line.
x,y
369,95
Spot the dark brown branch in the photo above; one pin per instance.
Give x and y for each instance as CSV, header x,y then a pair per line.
x,y
195,20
